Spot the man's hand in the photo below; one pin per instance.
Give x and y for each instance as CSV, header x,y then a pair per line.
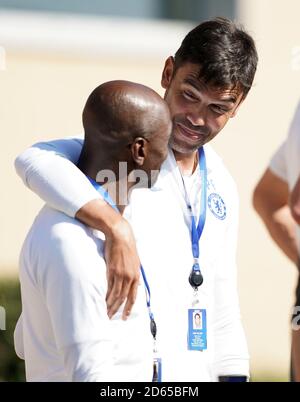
x,y
295,202
123,268
123,264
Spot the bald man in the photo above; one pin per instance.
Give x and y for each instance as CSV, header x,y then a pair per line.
x,y
64,333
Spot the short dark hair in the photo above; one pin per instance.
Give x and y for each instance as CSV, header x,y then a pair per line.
x,y
225,52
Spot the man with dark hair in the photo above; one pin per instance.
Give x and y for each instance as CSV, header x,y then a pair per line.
x,y
226,53
189,231
64,333
215,58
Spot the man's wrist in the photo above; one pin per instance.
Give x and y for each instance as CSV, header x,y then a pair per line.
x,y
120,229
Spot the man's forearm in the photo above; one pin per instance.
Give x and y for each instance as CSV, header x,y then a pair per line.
x,y
270,200
99,215
295,202
122,260
282,228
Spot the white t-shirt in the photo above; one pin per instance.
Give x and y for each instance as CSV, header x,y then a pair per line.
x,y
286,161
161,222
64,332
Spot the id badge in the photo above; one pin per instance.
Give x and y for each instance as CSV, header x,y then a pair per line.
x,y
156,370
197,329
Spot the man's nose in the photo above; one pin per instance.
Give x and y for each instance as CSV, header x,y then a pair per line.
x,y
197,116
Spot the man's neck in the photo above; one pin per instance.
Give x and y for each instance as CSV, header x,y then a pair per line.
x,y
118,190
187,163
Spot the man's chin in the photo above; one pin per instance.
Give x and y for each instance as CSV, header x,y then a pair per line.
x,y
182,148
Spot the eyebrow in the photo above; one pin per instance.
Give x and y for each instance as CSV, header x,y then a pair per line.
x,y
197,85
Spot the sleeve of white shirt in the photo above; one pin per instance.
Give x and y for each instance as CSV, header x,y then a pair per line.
x,y
74,285
49,170
278,162
231,352
282,160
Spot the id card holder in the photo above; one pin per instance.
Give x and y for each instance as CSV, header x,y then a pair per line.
x,y
197,329
157,369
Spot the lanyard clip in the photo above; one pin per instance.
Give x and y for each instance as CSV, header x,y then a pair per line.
x,y
196,278
153,328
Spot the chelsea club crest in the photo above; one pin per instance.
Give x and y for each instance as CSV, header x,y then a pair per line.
x,y
217,206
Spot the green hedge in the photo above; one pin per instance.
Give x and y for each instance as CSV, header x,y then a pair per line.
x,y
11,367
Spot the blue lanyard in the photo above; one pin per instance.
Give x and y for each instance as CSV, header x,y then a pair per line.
x,y
196,278
108,199
104,193
197,231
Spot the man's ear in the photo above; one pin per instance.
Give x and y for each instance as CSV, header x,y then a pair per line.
x,y
167,72
139,150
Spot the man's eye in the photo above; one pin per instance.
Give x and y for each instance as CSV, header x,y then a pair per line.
x,y
218,109
189,95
